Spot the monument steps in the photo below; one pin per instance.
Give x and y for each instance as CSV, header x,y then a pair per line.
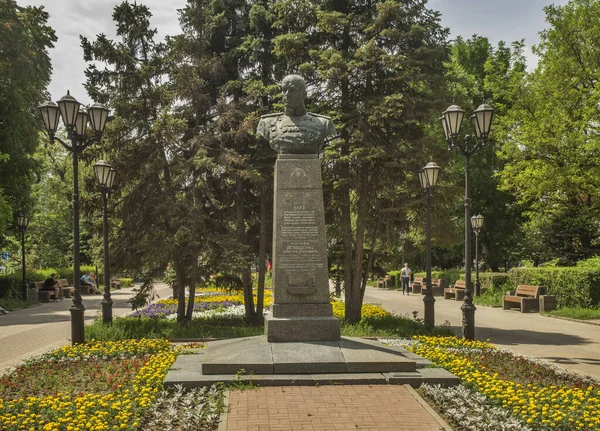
x,y
347,361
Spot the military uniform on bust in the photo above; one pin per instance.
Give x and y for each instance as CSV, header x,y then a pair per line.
x,y
305,134
295,131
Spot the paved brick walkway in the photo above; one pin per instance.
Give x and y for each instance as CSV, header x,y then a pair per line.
x,y
327,408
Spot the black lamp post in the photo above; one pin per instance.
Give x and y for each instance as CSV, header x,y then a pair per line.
x,y
482,123
75,121
477,224
22,222
105,174
428,177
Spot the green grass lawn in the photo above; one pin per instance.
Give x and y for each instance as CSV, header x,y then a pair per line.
x,y
577,313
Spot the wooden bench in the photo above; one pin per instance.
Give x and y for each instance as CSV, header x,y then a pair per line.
x,y
417,285
65,289
547,303
115,283
437,287
526,297
43,295
389,282
456,291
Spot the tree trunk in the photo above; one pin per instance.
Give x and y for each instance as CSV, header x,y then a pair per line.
x,y
180,280
262,250
353,307
241,237
369,268
193,282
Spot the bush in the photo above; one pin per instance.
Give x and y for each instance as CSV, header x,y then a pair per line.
x,y
573,286
10,286
492,281
126,282
228,281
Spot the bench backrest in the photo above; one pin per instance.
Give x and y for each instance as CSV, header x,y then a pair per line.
x,y
440,282
419,280
530,291
63,282
39,284
460,284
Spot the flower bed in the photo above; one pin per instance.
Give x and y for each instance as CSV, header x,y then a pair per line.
x,y
214,303
540,396
96,386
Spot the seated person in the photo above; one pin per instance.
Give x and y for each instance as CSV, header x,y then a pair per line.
x,y
51,285
88,280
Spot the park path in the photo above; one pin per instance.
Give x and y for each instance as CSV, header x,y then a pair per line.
x,y
572,345
35,330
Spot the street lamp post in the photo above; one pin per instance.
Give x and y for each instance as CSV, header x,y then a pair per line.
x,y
428,177
105,174
477,224
22,222
451,124
75,120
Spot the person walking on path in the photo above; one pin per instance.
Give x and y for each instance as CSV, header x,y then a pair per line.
x,y
405,275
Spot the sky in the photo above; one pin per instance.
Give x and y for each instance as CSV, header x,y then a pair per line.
x,y
507,20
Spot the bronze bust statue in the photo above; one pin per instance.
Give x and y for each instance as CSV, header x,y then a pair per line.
x,y
295,131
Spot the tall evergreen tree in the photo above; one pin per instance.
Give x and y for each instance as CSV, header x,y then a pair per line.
x,y
160,205
377,70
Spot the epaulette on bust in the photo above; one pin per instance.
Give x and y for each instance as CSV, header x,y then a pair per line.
x,y
319,115
276,114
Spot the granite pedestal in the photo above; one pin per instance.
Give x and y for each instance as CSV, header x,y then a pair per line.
x,y
301,310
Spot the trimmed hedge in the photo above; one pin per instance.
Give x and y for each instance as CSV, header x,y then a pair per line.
x,y
573,286
492,281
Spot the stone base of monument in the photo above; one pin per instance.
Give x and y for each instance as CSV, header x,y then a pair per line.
x,y
287,329
347,361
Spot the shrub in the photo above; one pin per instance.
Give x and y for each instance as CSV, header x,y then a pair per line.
x,y
126,282
492,281
10,286
228,281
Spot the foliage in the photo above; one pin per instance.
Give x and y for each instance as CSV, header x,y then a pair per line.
x,y
493,281
573,287
471,410
538,394
142,327
10,285
577,313
550,138
193,409
492,298
25,69
228,281
144,295
126,282
478,72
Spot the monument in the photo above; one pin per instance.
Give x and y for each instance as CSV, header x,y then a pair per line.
x,y
301,308
302,343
